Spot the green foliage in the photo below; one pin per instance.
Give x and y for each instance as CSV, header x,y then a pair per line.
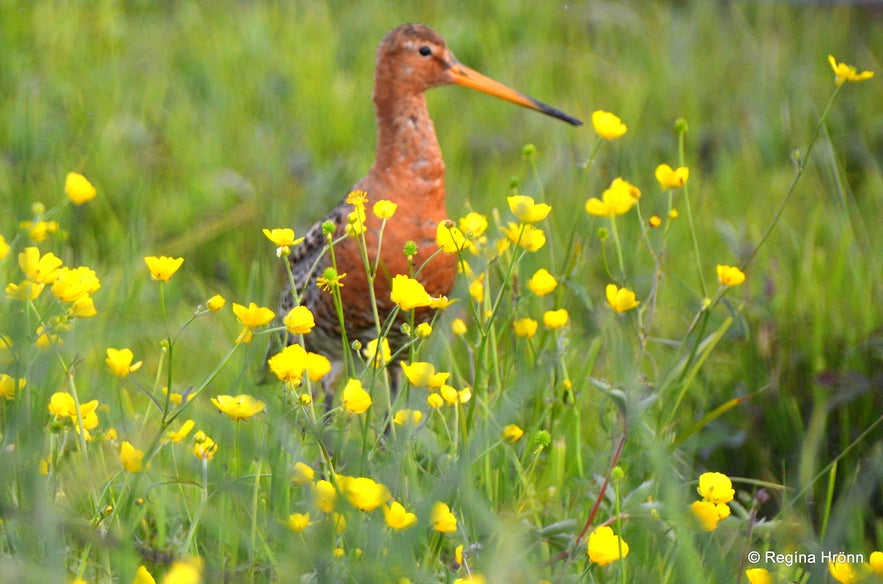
x,y
202,124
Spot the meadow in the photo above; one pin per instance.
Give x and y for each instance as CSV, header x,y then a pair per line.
x,y
634,413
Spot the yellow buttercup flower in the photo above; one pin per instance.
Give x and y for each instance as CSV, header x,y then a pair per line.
x,y
384,209
708,514
78,188
525,327
407,417
374,357
408,293
423,330
397,517
423,374
618,199
542,282
524,235
716,490
476,289
442,519
299,320
435,401
203,446
252,317
182,432
62,405
289,364
844,572
458,327
318,366
471,579
119,361
876,562
83,307
363,493
303,474
142,576
716,487
556,319
620,299
40,230
608,125
605,547
449,237
441,303
72,284
10,385
759,576
241,407
512,433
162,268
39,269
730,275
25,290
526,210
131,458
355,221
184,572
177,398
449,394
844,72
283,237
670,178
297,522
473,225
324,496
4,247
216,303
355,399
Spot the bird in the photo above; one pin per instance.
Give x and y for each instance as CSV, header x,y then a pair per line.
x,y
408,170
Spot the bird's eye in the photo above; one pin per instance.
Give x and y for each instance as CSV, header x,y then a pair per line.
x,y
425,50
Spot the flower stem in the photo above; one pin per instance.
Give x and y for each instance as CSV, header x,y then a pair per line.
x,y
800,164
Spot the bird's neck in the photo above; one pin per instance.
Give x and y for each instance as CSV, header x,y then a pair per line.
x,y
407,147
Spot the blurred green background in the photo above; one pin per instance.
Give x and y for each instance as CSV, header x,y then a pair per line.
x,y
203,122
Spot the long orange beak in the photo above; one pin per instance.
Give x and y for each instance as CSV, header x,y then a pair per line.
x,y
463,75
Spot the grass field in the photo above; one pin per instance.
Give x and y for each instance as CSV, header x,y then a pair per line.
x,y
200,124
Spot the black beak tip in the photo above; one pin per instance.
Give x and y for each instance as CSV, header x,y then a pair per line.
x,y
557,113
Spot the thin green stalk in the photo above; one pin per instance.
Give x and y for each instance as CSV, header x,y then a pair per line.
x,y
809,484
618,247
617,498
349,366
695,241
255,499
800,164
